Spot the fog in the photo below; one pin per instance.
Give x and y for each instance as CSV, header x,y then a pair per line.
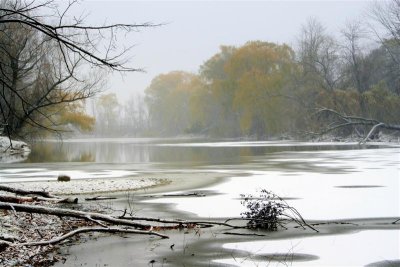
x,y
193,31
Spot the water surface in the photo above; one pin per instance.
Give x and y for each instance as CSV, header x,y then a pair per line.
x,y
324,181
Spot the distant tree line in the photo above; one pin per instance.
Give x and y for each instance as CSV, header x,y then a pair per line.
x,y
264,89
116,119
50,64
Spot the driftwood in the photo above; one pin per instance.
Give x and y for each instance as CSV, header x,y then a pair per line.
x,y
106,223
88,216
14,199
99,198
22,192
32,196
180,195
181,222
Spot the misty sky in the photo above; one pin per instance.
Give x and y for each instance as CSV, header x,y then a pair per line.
x,y
194,30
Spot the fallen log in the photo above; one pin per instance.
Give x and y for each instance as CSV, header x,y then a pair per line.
x,y
88,216
99,198
23,192
19,200
180,222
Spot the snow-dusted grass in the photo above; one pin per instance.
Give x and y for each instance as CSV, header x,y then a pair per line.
x,y
91,186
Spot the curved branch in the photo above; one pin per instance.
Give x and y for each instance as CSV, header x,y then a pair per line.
x,y
354,121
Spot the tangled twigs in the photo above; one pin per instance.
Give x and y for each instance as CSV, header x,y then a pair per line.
x,y
269,211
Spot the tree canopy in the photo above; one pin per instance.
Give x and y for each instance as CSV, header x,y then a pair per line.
x,y
50,63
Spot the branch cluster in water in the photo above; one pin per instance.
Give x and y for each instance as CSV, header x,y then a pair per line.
x,y
269,211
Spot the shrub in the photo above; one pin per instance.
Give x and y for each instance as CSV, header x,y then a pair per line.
x,y
269,211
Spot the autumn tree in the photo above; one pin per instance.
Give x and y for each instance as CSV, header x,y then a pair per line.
x,y
262,73
47,63
212,103
167,99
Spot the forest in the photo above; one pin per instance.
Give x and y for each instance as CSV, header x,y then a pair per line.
x,y
266,90
259,89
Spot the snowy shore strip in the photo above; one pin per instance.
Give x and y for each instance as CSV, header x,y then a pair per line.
x,y
91,186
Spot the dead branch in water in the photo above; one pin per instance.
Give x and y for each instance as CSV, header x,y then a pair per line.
x,y
67,227
97,198
343,121
181,222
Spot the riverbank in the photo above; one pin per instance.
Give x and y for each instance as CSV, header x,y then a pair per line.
x,y
35,227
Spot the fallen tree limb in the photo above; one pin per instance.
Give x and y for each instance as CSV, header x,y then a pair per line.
x,y
344,120
88,216
23,192
14,199
99,198
371,132
180,195
180,222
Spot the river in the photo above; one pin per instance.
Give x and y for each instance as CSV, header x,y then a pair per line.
x,y
324,181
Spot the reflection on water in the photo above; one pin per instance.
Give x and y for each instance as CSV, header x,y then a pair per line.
x,y
89,158
357,249
165,151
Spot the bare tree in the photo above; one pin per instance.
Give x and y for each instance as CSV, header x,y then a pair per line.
x,y
353,33
387,15
319,55
41,63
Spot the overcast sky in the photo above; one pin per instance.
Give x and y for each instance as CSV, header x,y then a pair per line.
x,y
194,30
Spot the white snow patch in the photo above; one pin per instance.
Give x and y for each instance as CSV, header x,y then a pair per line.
x,y
16,152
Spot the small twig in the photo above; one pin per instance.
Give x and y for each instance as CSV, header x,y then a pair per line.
x,y
89,218
13,209
242,234
99,198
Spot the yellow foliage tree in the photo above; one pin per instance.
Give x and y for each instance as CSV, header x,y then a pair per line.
x,y
168,98
262,72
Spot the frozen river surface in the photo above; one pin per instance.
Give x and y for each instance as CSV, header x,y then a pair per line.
x,y
324,181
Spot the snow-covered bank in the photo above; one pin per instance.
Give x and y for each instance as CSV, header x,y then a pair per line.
x,y
91,186
15,151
